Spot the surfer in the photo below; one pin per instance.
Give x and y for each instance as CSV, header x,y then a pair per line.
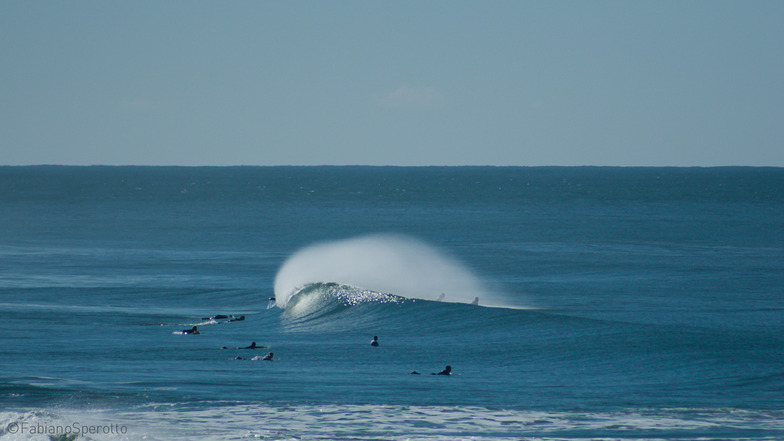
x,y
476,301
441,297
253,346
193,330
267,357
447,371
217,317
375,341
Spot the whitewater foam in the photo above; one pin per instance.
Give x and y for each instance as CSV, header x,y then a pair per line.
x,y
258,421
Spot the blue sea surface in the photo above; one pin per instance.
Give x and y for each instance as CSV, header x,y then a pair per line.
x,y
613,303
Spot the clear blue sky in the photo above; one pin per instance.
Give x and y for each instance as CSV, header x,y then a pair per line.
x,y
392,82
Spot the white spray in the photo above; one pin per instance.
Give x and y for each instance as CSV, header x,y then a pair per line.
x,y
386,263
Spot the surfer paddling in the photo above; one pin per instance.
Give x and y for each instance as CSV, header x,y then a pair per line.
x,y
267,357
447,371
194,330
253,346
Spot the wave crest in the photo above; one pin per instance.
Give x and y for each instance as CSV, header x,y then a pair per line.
x,y
394,264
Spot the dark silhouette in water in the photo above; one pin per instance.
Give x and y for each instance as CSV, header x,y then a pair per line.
x,y
476,301
253,346
230,318
218,317
268,357
375,341
193,330
447,371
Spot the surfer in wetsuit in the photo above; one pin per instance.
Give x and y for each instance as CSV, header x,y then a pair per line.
x,y
253,346
447,371
267,357
193,330
375,341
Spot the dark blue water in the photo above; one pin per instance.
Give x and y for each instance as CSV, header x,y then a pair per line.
x,y
616,303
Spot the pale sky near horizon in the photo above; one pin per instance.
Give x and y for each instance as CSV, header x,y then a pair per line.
x,y
637,83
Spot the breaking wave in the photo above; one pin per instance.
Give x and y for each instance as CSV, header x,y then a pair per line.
x,y
378,268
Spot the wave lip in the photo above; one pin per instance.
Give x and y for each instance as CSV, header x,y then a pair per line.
x,y
382,263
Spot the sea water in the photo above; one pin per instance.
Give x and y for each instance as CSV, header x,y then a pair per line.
x,y
613,303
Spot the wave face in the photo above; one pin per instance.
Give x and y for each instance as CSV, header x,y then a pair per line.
x,y
320,299
375,267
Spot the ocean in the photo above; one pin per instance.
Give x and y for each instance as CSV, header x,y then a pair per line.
x,y
613,303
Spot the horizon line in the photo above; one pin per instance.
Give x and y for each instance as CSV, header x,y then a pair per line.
x,y
381,166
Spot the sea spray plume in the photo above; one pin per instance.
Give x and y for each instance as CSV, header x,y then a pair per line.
x,y
386,263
